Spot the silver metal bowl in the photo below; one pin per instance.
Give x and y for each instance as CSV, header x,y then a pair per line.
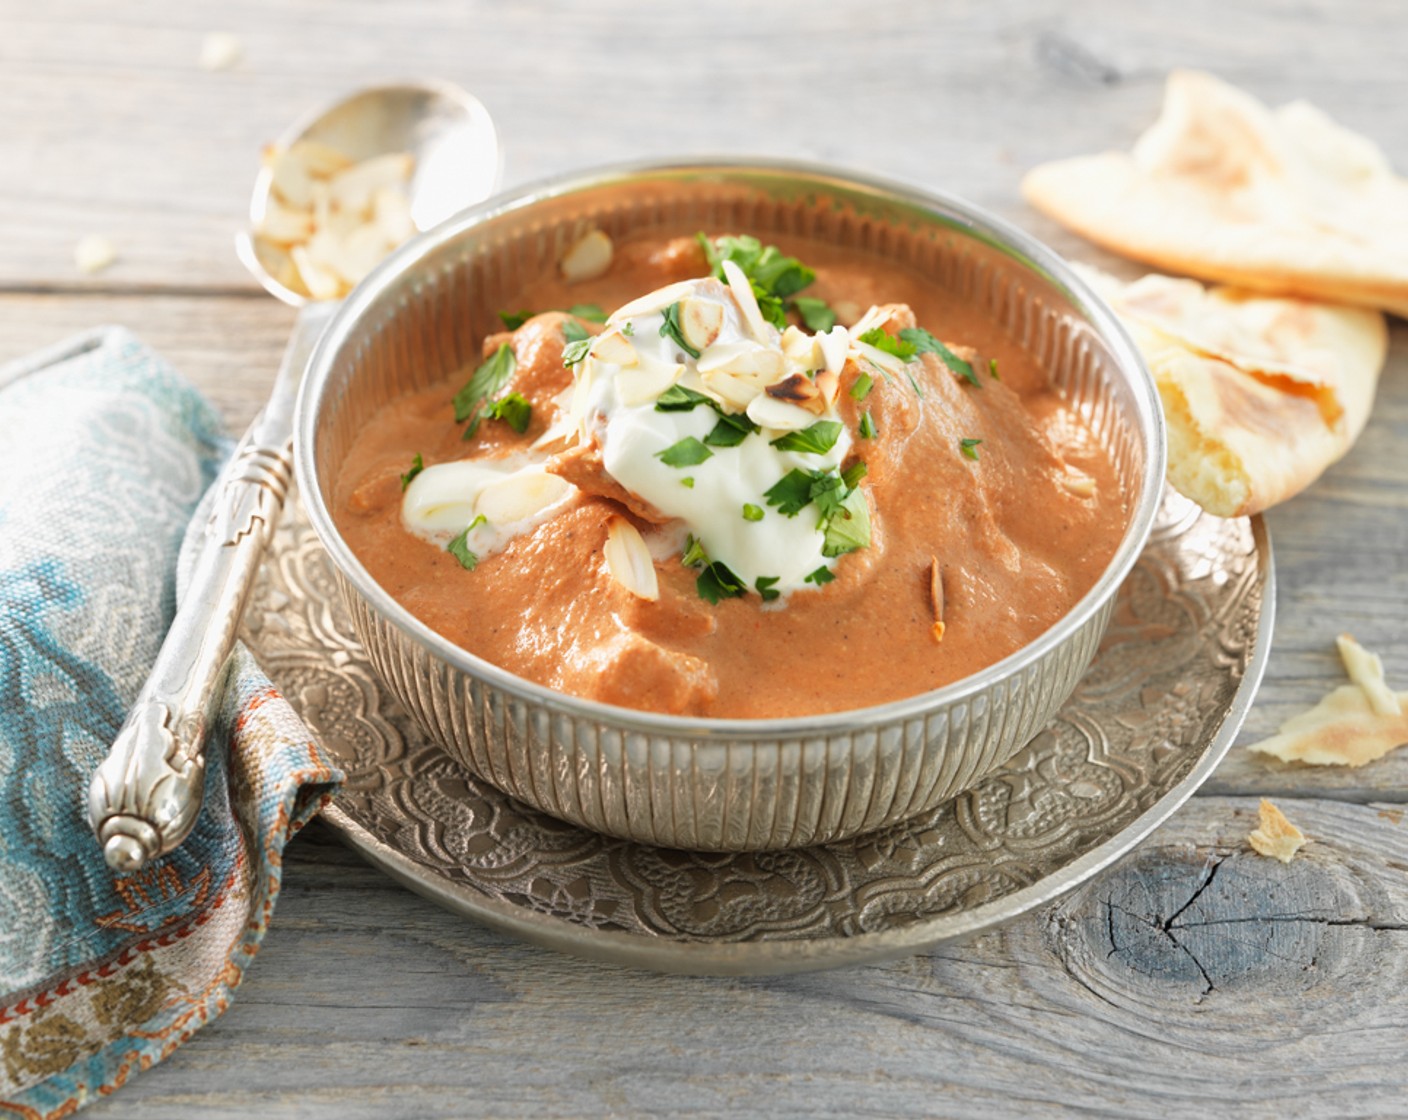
x,y
714,784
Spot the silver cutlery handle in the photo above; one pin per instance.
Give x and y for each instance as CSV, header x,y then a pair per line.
x,y
146,795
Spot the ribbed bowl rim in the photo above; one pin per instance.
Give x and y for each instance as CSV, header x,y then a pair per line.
x,y
956,213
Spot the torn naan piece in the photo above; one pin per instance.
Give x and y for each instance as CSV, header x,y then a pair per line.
x,y
1275,836
1222,187
1352,726
1261,394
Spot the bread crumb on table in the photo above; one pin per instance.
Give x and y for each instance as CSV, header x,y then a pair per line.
x,y
1275,837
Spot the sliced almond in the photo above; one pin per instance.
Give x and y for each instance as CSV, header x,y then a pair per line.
x,y
616,348
799,390
655,301
769,412
283,225
354,188
629,561
588,258
799,347
1080,485
834,346
291,180
323,161
738,392
391,211
322,205
1367,671
701,320
321,282
94,253
743,359
877,357
220,51
874,316
520,495
747,302
828,384
645,381
936,598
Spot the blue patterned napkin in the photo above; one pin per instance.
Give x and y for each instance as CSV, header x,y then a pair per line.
x,y
104,452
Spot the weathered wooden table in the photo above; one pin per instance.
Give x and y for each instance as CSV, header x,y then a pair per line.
x,y
1194,979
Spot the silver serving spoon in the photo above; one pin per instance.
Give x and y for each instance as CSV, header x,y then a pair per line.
x,y
146,795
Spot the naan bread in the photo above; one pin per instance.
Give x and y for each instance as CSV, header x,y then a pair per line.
x,y
1260,394
1224,188
1274,835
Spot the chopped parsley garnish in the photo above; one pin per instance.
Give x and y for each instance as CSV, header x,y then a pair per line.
x,y
487,380
767,588
822,575
902,348
715,581
866,427
992,369
969,447
860,387
816,315
573,331
417,465
670,328
460,551
513,410
820,438
515,319
679,399
731,430
591,312
852,475
694,553
628,328
478,521
688,452
791,493
687,482
773,275
577,351
925,343
752,512
849,528
918,392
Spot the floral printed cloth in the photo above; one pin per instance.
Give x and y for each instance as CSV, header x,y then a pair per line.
x,y
104,453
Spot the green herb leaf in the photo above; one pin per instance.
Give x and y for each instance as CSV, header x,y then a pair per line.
x,y
849,528
752,512
478,521
820,438
687,482
731,430
766,586
577,351
417,465
852,475
969,447
460,551
816,315
670,328
591,312
866,427
628,329
688,452
774,275
694,553
882,339
679,399
513,410
515,319
827,493
822,575
918,392
485,382
925,343
860,387
717,582
573,331
791,493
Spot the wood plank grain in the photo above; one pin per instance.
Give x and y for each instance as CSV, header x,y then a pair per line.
x,y
1197,979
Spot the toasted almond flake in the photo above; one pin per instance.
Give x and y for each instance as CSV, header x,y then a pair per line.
x,y
799,347
320,282
616,348
645,381
834,345
1275,836
936,598
738,392
322,205
875,316
94,253
353,189
747,302
519,496
701,320
291,180
828,385
877,357
1367,671
283,225
220,51
323,161
743,359
391,211
799,390
769,412
1080,485
588,258
653,302
628,560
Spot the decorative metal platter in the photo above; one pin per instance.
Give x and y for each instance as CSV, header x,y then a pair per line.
x,y
1152,717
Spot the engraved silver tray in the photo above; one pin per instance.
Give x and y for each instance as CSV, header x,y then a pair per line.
x,y
1151,718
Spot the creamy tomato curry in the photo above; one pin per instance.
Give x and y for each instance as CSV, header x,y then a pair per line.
x,y
765,486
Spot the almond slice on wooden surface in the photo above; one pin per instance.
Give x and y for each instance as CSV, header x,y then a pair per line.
x,y
628,560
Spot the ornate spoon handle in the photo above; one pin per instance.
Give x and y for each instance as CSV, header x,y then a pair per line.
x,y
146,795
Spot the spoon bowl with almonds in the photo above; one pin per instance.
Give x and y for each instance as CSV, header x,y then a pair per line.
x,y
341,189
